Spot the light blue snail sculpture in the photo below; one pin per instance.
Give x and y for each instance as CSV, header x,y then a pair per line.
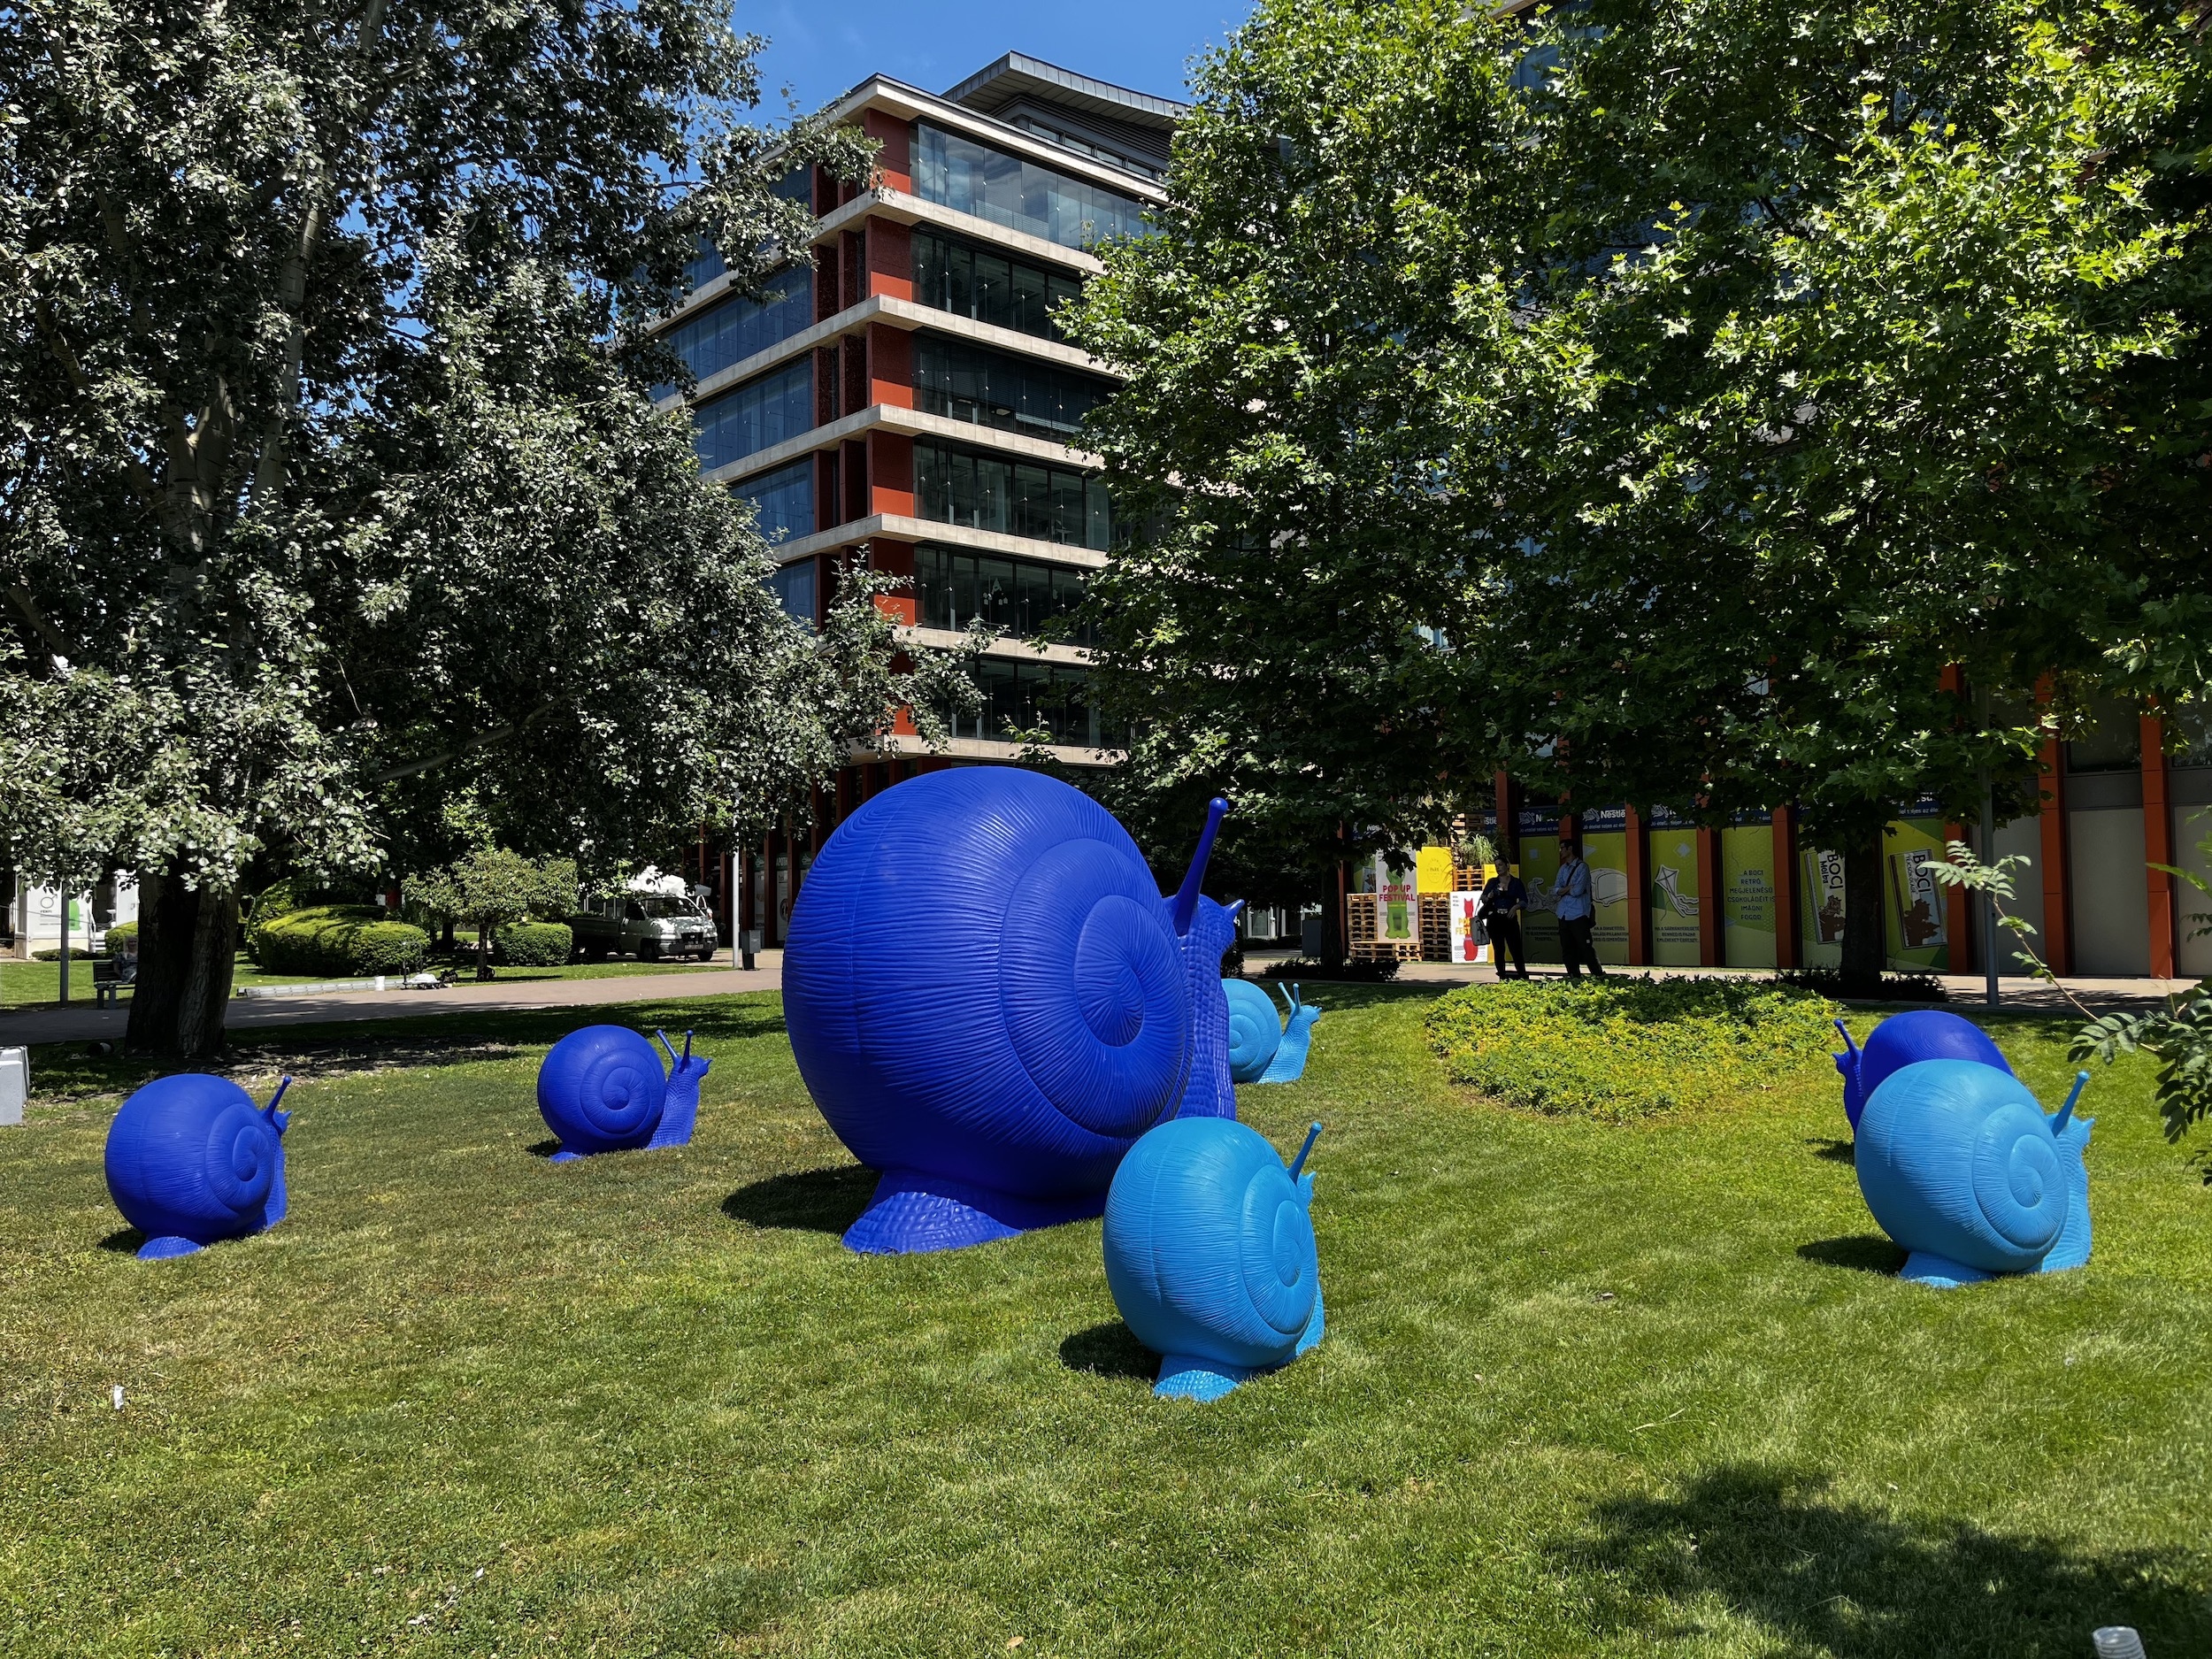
x,y
192,1161
601,1089
1209,1254
1961,1167
1260,1051
1924,1033
990,1000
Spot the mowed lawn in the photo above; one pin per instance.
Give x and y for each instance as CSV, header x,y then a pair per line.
x,y
1586,1389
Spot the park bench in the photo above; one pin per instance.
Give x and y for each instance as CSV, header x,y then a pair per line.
x,y
109,974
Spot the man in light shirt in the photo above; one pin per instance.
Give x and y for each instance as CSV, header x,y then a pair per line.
x,y
1577,916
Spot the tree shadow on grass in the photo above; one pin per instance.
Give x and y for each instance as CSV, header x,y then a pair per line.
x,y
1822,1576
1834,1151
812,1201
1110,1350
1863,1253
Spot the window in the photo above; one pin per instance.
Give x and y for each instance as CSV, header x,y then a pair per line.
x,y
793,588
988,492
1097,150
783,500
2111,739
1028,695
996,388
758,414
1016,596
988,288
972,177
740,326
707,264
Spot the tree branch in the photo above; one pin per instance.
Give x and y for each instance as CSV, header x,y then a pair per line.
x,y
48,636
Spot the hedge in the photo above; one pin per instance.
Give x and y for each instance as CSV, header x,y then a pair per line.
x,y
272,904
340,939
532,944
123,941
1623,1048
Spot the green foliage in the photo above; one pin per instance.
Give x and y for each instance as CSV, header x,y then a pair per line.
x,y
333,940
123,938
278,899
1348,972
492,886
1623,1048
532,944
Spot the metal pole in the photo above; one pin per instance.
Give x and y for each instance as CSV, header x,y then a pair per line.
x,y
64,897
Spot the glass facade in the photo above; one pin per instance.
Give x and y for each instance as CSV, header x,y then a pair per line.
x,y
973,178
1016,596
996,388
990,492
783,500
1028,695
793,588
761,412
973,282
740,326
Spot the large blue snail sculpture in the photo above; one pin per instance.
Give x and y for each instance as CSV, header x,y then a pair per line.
x,y
192,1161
1260,1051
1209,1254
990,1000
1903,1040
601,1089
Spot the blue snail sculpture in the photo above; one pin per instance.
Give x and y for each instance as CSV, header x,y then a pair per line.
x,y
601,1089
1260,1051
989,1001
1209,1254
1961,1167
192,1161
1925,1034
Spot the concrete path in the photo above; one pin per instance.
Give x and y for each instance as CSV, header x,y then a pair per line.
x,y
86,1023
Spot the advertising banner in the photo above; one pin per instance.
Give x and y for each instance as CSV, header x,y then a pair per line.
x,y
1912,903
1470,942
1540,867
1820,877
1746,881
1398,913
1432,870
1674,895
1605,849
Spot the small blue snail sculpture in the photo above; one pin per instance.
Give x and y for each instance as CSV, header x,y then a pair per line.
x,y
1260,1051
192,1161
600,1089
1925,1034
1209,1254
1961,1167
990,1000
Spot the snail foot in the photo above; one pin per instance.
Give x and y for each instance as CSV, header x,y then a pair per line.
x,y
1940,1272
912,1214
1184,1378
167,1248
564,1156
1317,1327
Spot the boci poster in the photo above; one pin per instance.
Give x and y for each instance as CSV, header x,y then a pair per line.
x,y
1821,878
1605,849
1471,941
1747,884
1674,895
1913,903
1540,867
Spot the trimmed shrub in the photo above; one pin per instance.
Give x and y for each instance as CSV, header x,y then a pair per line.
x,y
123,941
275,901
532,944
341,939
1342,972
1623,1048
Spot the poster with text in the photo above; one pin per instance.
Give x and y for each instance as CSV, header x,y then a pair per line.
x,y
1398,913
1470,943
1913,903
1605,849
1747,884
1675,899
1539,868
1820,881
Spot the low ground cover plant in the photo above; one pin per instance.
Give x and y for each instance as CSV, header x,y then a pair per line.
x,y
1624,1049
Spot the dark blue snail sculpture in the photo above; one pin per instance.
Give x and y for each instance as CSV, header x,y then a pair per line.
x,y
1903,1040
192,1161
989,1000
1261,1051
1961,1167
601,1089
1210,1256
1207,931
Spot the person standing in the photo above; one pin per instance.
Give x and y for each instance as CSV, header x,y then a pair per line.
x,y
1499,911
1577,916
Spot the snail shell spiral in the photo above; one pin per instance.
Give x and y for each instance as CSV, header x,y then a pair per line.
x,y
601,1089
1903,1040
191,1160
1254,1034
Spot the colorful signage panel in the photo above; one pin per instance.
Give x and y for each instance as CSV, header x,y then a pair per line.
x,y
1747,892
1470,943
1539,868
1913,908
1605,849
1675,899
1820,906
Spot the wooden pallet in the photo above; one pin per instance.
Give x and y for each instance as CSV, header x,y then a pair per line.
x,y
1436,927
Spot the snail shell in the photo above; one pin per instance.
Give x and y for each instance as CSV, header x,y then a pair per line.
x,y
988,1000
191,1160
600,1089
1959,1164
1254,1035
1209,1254
1903,1040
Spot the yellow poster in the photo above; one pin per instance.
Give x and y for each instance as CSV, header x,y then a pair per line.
x,y
1820,879
1605,849
1674,895
1913,906
1432,870
1747,881
1540,867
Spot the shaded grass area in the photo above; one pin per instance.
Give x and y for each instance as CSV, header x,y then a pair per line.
x,y
1586,1389
38,984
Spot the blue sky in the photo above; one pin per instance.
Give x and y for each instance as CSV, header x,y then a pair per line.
x,y
822,46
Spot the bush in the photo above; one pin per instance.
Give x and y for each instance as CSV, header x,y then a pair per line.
x,y
532,944
340,939
1342,972
123,941
1624,1049
1894,988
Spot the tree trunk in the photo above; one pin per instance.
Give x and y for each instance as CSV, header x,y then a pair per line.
x,y
483,951
1864,951
187,944
445,938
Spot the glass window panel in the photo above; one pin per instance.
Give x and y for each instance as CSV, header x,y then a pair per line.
x,y
734,329
783,500
1029,498
793,588
973,178
754,416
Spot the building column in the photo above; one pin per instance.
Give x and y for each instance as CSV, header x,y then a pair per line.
x,y
1708,902
2057,950
1958,927
1789,927
1638,862
2158,847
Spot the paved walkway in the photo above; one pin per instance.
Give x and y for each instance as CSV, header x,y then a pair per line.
x,y
86,1023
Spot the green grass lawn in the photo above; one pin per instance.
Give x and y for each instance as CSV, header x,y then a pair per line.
x,y
38,984
1586,1389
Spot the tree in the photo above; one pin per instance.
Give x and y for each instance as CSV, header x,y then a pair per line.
x,y
491,888
332,488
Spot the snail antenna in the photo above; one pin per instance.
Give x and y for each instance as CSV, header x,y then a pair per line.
x,y
1844,1031
2058,1123
284,1083
1312,1135
687,1048
1186,897
670,1046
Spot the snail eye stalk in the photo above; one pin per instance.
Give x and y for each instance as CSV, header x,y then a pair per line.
x,y
1312,1135
1186,897
2066,1112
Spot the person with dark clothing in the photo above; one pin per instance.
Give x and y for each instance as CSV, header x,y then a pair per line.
x,y
1499,911
1578,915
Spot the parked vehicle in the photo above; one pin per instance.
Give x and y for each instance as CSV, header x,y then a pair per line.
x,y
651,926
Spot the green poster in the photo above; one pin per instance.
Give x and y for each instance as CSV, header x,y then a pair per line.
x,y
1820,883
1747,882
1674,894
1605,849
1913,907
1540,867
